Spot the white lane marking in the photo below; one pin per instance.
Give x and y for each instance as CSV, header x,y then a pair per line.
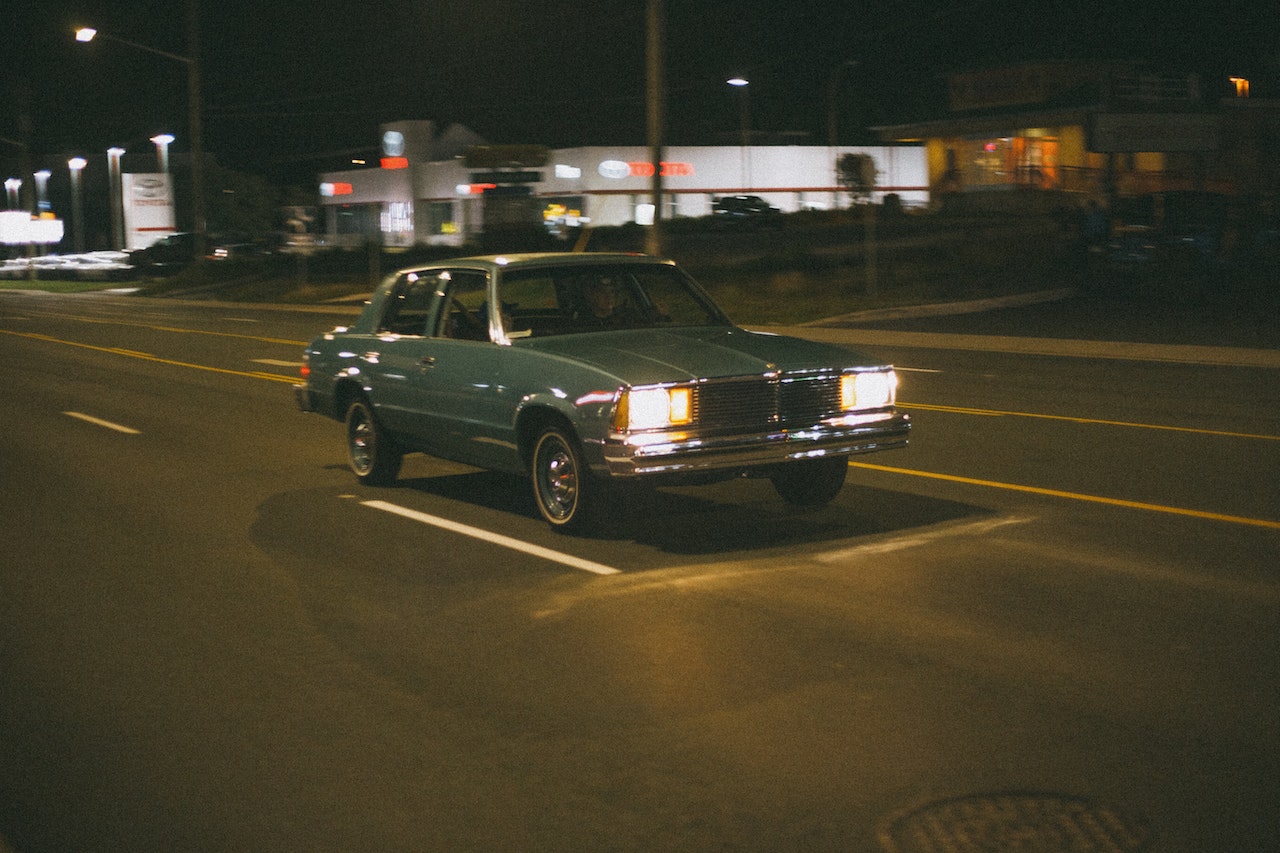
x,y
275,362
903,542
100,422
494,538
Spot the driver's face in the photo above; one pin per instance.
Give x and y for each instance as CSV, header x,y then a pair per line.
x,y
602,298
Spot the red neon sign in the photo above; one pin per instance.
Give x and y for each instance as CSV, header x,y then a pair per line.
x,y
395,162
646,170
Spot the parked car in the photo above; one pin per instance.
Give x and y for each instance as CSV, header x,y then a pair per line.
x,y
585,370
1184,228
746,210
170,252
176,251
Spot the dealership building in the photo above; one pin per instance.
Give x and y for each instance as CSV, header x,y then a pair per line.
x,y
430,187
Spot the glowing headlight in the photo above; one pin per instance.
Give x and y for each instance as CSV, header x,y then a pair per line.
x,y
654,408
872,390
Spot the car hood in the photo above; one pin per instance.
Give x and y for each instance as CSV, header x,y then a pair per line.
x,y
645,356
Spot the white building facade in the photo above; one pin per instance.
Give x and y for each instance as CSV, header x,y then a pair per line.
x,y
435,198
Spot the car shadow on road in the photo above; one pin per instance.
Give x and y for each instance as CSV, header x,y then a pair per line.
x,y
715,520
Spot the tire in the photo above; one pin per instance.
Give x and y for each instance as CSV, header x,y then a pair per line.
x,y
373,455
811,482
562,487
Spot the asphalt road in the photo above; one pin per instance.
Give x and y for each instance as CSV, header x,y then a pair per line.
x,y
1051,621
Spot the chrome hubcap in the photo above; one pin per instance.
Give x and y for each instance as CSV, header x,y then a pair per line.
x,y
362,444
559,480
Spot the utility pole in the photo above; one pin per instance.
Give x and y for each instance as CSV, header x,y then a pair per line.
x,y
654,100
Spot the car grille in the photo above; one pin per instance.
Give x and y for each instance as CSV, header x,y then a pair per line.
x,y
762,402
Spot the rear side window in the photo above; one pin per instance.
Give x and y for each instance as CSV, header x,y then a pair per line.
x,y
412,306
465,314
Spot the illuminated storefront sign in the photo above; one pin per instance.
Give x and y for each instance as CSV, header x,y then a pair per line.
x,y
616,170
393,143
328,190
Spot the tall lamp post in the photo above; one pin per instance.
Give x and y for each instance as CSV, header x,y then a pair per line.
x,y
162,141
194,119
833,114
744,123
117,197
42,191
76,165
654,114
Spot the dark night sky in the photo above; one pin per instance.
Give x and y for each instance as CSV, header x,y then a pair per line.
x,y
284,82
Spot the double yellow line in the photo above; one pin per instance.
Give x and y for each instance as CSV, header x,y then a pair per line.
x,y
996,413
970,481
145,356
1075,496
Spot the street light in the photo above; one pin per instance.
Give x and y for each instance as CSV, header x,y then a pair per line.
x,y
162,142
12,187
194,119
117,197
744,123
42,190
76,165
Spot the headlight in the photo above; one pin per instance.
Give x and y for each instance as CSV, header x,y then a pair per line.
x,y
654,408
869,390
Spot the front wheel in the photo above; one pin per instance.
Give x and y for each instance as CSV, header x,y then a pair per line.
x,y
374,456
560,480
811,482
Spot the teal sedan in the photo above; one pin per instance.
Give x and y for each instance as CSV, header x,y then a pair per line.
x,y
581,371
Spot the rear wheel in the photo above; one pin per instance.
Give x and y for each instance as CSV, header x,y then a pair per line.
x,y
560,480
374,456
811,482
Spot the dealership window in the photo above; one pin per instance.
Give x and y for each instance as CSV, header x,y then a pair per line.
x,y
562,214
440,218
361,220
1028,160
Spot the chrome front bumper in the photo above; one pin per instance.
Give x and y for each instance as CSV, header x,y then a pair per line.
x,y
676,452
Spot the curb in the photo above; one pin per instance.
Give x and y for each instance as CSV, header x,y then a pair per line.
x,y
1117,350
946,308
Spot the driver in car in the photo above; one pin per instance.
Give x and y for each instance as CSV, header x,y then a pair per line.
x,y
603,306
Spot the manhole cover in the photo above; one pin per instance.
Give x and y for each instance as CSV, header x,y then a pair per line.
x,y
1013,823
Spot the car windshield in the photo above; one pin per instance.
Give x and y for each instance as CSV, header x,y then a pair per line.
x,y
592,298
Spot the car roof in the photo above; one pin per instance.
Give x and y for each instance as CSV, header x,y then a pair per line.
x,y
531,260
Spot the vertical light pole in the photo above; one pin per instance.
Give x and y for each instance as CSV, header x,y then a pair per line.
x,y
194,115
833,113
117,197
162,142
654,102
76,165
744,124
42,190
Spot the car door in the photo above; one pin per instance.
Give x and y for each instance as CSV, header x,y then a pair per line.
x,y
462,409
395,353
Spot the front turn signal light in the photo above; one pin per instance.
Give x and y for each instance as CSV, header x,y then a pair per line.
x,y
654,408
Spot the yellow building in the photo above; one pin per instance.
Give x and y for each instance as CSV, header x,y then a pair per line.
x,y
1096,129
